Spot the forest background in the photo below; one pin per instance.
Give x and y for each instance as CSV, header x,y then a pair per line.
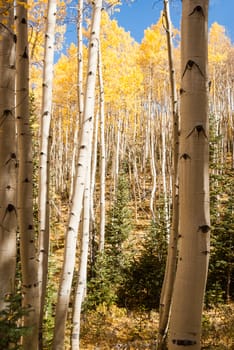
x,y
138,132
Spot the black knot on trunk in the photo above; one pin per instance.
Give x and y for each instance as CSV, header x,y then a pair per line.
x,y
204,228
10,208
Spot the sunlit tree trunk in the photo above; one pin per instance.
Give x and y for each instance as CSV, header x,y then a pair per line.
x,y
29,265
80,91
164,130
80,60
8,158
44,155
167,288
83,261
102,157
194,219
81,173
153,169
116,155
93,172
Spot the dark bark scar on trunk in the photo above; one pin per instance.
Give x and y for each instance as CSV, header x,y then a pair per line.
x,y
197,10
184,342
191,64
204,228
199,129
185,156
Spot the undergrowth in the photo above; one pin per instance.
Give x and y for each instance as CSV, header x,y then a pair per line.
x,y
114,328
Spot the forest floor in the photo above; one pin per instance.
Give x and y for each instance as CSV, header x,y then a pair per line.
x,y
114,328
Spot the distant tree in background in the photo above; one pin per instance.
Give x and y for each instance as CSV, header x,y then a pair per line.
x,y
82,168
110,264
143,276
220,284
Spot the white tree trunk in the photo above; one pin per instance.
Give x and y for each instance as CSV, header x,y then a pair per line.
x,y
117,156
80,92
8,158
29,265
194,218
93,171
45,155
81,172
170,271
82,275
164,169
102,158
152,164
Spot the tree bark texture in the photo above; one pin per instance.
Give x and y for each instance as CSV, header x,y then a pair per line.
x,y
102,156
8,157
83,261
194,217
28,255
170,271
81,172
45,155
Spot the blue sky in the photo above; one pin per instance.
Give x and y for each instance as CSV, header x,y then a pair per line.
x,y
140,14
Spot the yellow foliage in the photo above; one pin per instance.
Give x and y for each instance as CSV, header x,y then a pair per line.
x,y
219,56
37,19
154,45
109,327
122,76
219,44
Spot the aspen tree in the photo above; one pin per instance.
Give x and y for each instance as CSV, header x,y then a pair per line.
x,y
45,154
164,168
93,165
80,61
80,91
81,173
83,260
115,167
102,157
153,168
170,271
194,218
8,157
29,265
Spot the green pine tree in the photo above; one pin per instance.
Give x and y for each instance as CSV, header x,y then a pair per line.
x,y
220,284
110,264
144,276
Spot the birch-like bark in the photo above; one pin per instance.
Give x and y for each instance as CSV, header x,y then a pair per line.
x,y
164,170
45,155
102,157
81,172
80,60
93,171
80,92
29,264
82,275
170,271
194,217
152,163
116,156
8,158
